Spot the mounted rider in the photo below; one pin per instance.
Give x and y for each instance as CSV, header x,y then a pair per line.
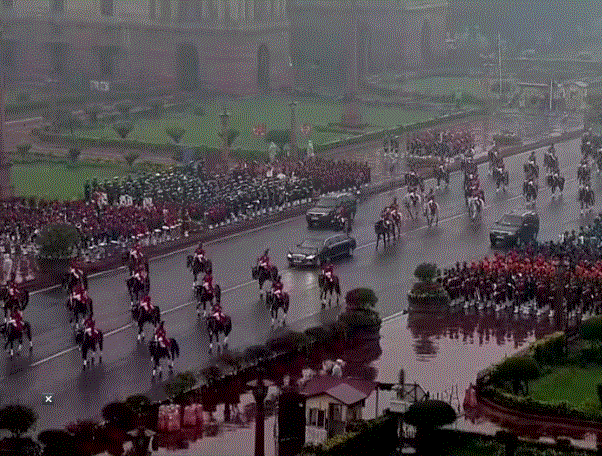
x,y
79,293
264,261
278,287
199,253
90,327
328,271
146,304
479,193
208,283
136,252
16,319
430,195
217,313
140,273
14,291
75,269
161,335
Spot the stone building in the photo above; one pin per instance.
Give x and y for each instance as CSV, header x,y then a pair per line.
x,y
236,46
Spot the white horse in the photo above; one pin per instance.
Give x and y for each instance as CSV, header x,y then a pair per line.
x,y
475,206
412,203
431,212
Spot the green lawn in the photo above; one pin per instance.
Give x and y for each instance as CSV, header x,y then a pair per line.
x,y
572,384
246,114
446,86
56,181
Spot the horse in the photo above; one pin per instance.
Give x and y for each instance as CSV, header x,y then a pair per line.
x,y
442,174
275,303
329,287
137,289
501,177
70,281
431,212
13,302
261,274
474,207
12,333
586,197
79,310
530,191
550,161
89,343
385,231
141,317
412,204
196,266
203,296
493,158
555,181
531,170
158,352
216,326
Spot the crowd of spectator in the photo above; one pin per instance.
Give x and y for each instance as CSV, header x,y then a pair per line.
x,y
569,269
440,143
155,207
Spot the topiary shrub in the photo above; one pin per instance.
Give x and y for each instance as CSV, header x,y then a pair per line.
x,y
58,241
17,419
518,370
175,132
426,272
180,384
123,129
591,329
426,416
119,416
360,298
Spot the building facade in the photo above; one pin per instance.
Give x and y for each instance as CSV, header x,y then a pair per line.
x,y
235,46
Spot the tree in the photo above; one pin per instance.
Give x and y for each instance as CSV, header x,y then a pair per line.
x,y
591,329
278,137
92,112
427,416
58,240
131,157
119,415
231,135
57,442
175,132
17,419
63,118
157,107
124,108
518,370
74,153
123,128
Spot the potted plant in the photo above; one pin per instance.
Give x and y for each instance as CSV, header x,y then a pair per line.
x,y
359,318
58,243
428,294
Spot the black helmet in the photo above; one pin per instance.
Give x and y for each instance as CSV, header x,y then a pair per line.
x,y
266,251
279,278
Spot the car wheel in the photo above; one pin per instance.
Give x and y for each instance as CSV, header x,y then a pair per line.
x,y
310,226
291,265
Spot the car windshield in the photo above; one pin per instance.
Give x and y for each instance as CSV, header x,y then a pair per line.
x,y
310,244
327,202
511,220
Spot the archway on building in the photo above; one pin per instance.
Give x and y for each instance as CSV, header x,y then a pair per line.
x,y
263,68
187,67
426,45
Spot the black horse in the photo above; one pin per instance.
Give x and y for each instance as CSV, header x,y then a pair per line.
x,y
70,281
158,352
531,170
501,178
137,289
12,334
196,266
13,302
89,343
329,287
555,181
203,297
442,174
141,317
384,231
275,303
79,310
262,274
215,327
530,191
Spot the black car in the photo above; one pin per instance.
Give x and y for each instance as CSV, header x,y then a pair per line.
x,y
324,213
515,229
315,252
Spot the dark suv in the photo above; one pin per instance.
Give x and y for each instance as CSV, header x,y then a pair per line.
x,y
515,229
323,214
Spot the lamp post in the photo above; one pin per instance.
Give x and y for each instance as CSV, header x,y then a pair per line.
x,y
293,138
259,389
224,117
